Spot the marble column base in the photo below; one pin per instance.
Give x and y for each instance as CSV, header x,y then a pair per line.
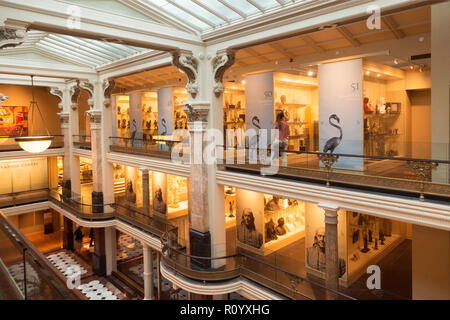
x,y
200,245
99,256
97,202
67,187
68,234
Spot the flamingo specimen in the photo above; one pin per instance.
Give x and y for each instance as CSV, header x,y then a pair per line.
x,y
332,143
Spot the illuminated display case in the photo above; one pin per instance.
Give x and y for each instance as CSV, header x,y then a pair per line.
x,y
266,223
234,114
149,101
284,222
230,206
179,97
123,116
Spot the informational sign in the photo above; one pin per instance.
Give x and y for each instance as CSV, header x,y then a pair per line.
x,y
135,119
340,111
23,175
259,110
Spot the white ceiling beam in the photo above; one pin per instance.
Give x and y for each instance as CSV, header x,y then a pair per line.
x,y
156,13
257,6
102,52
73,50
52,16
83,48
62,51
295,19
217,14
229,6
197,16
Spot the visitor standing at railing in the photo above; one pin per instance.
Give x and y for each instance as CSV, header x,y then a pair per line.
x,y
280,140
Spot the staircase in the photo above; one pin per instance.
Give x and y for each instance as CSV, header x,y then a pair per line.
x,y
126,285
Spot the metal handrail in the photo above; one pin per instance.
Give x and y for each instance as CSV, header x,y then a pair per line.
x,y
338,154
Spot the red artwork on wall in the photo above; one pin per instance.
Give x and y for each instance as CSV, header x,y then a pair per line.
x,y
13,121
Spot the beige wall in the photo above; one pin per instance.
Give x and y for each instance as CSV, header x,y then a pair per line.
x,y
421,123
440,93
20,96
430,263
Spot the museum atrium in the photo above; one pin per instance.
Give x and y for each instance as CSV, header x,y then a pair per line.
x,y
185,150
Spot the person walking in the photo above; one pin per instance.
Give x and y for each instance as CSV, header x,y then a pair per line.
x,y
78,234
280,141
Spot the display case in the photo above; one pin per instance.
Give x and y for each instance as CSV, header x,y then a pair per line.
x,y
179,98
123,116
284,222
385,105
297,97
85,170
369,239
234,114
265,223
149,101
230,206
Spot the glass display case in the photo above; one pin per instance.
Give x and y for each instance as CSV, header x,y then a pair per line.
x,y
179,98
230,206
123,116
234,114
149,101
284,222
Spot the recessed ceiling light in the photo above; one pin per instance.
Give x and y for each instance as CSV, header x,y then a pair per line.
x,y
421,39
328,26
367,72
378,75
396,61
243,81
310,73
411,67
276,62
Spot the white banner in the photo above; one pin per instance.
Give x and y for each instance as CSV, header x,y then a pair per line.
x,y
340,111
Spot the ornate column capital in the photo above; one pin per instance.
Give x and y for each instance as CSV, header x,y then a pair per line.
x,y
197,111
74,94
331,213
89,87
2,98
12,35
220,64
57,92
189,65
108,86
64,119
95,118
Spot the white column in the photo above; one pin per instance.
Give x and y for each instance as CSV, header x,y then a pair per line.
x,y
148,273
110,250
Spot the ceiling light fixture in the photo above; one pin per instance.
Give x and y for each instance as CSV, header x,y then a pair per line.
x,y
396,61
378,75
243,81
421,68
367,72
310,73
34,144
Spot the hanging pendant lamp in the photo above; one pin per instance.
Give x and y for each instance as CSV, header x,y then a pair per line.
x,y
35,144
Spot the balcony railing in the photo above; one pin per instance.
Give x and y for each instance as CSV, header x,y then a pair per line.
x,y
81,141
235,262
25,274
7,143
404,175
162,147
24,197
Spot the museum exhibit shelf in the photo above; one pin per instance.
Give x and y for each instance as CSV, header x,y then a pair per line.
x,y
230,206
